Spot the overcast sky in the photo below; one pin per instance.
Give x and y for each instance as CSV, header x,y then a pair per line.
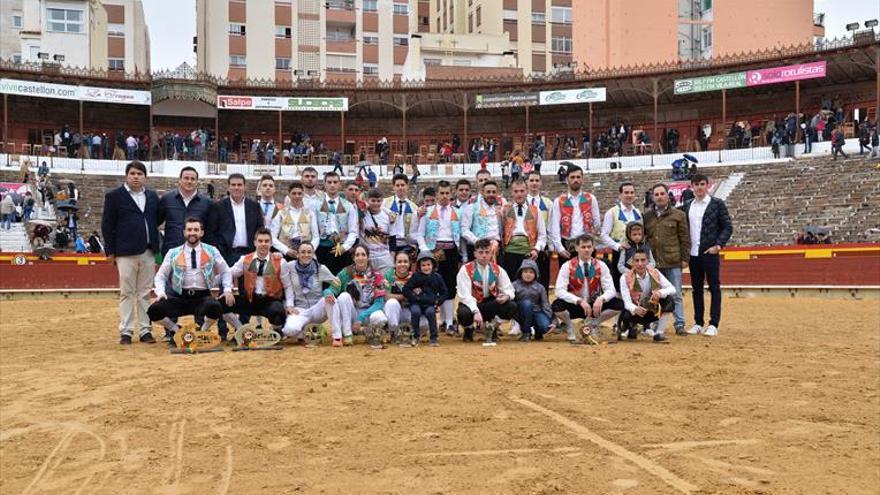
x,y
172,25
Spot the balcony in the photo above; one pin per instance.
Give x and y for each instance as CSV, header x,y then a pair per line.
x,y
340,12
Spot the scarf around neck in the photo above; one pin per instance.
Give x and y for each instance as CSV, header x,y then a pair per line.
x,y
306,273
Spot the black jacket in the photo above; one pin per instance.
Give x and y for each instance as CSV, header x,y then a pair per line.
x,y
221,225
122,223
432,285
717,227
173,212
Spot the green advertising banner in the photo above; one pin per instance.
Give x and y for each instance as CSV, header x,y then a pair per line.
x,y
710,83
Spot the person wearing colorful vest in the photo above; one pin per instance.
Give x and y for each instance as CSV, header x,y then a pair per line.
x,y
524,234
294,224
544,204
261,290
360,297
440,232
573,214
484,291
376,231
614,225
337,226
645,293
405,217
482,219
190,271
304,298
584,289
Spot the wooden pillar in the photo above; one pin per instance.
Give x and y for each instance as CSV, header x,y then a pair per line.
x,y
590,130
877,78
723,115
278,144
403,129
342,133
82,162
217,135
797,110
655,138
5,118
152,141
464,140
80,118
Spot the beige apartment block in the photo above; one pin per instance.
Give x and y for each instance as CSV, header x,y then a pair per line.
x,y
539,31
474,54
620,33
304,39
97,34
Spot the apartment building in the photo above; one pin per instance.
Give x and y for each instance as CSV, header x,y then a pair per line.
x,y
618,33
539,31
296,39
97,34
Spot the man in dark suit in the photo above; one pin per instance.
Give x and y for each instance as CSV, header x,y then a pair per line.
x,y
131,239
710,229
232,223
180,204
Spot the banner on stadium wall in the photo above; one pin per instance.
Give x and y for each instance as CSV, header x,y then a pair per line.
x,y
283,103
69,92
568,96
759,77
500,100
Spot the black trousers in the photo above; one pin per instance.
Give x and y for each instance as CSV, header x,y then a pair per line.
x,y
611,260
629,320
706,268
201,305
489,308
448,270
335,263
575,311
273,309
544,267
511,263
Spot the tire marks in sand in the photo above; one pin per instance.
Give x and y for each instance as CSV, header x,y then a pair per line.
x,y
586,434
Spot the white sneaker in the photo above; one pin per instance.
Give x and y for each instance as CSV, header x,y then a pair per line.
x,y
710,331
695,330
514,329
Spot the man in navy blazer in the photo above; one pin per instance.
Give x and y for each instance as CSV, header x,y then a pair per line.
x,y
710,229
233,221
131,239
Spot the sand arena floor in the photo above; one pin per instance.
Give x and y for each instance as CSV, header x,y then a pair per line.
x,y
784,401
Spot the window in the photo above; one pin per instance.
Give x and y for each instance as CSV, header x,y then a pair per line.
x,y
116,64
65,20
401,9
707,4
433,61
561,44
237,61
340,4
560,15
538,18
16,58
236,29
370,6
371,39
340,35
371,69
401,41
282,63
461,62
116,30
479,16
341,63
16,21
283,32
510,15
707,38
470,23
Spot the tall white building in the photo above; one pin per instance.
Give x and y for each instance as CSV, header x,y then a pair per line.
x,y
95,34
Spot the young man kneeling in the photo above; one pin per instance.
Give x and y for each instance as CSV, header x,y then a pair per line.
x,y
646,298
484,292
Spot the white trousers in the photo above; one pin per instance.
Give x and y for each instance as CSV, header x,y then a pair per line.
x,y
344,314
382,262
135,282
395,313
318,313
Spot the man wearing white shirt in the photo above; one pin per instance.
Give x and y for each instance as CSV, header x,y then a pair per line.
x,y
614,224
584,289
405,221
294,224
375,231
337,225
543,203
645,293
312,197
268,206
484,292
482,218
189,271
261,290
524,233
573,214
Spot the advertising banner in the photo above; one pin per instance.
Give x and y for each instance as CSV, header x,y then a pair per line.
x,y
710,83
70,92
811,70
568,96
283,103
507,100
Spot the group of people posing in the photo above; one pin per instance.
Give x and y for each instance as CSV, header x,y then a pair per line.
x,y
360,262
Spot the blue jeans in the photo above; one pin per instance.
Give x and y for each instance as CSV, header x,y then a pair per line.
x,y
416,312
531,315
7,220
674,277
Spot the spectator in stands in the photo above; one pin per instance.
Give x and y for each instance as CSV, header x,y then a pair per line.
x,y
710,229
562,173
131,236
808,137
702,138
27,207
72,222
223,150
837,143
668,235
864,137
875,142
131,146
7,211
95,244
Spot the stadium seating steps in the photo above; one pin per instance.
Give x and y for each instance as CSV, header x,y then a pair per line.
x,y
769,205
